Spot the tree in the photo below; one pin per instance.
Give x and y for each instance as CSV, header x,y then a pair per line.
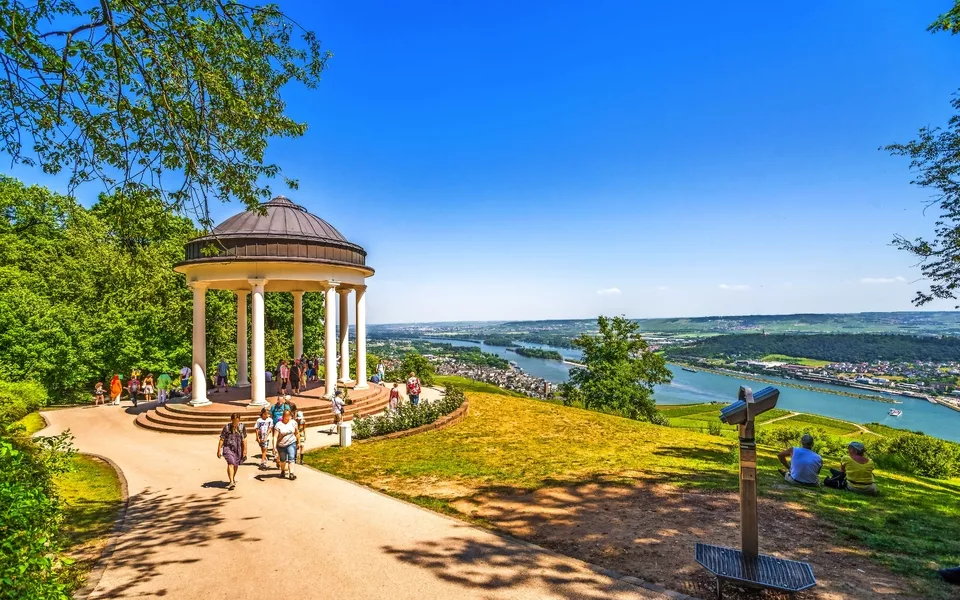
x,y
619,370
415,362
173,99
935,161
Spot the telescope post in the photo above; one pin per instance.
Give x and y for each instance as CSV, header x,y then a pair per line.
x,y
749,534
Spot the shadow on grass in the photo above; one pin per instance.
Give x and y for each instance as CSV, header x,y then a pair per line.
x,y
159,528
507,565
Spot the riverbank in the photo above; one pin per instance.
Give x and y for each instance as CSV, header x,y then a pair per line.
x,y
782,383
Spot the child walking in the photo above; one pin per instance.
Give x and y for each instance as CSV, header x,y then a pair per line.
x,y
264,428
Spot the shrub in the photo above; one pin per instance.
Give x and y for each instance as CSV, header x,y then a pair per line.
x,y
19,399
918,454
660,419
714,428
407,416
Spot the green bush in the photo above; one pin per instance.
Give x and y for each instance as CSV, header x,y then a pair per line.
x,y
31,517
918,454
407,416
19,399
714,428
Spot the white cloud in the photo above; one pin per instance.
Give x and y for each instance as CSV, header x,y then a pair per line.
x,y
609,291
734,287
896,279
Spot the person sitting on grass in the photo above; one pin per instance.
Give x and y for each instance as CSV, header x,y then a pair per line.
x,y
856,472
804,465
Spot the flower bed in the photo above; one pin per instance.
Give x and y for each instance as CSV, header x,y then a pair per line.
x,y
408,417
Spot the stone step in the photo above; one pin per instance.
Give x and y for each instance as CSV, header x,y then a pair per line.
x,y
251,415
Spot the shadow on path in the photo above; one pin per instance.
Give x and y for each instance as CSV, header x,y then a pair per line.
x,y
161,530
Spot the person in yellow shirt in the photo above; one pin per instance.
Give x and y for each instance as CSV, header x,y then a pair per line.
x,y
856,472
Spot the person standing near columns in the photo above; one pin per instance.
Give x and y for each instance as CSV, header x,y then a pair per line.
x,y
330,333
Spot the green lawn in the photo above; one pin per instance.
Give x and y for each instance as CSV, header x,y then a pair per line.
x,y
33,423
511,443
795,360
91,498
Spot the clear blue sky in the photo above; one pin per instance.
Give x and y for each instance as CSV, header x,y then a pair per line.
x,y
518,160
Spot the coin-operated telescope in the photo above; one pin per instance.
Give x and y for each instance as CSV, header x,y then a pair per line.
x,y
742,413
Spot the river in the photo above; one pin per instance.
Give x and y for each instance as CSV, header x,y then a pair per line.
x,y
701,387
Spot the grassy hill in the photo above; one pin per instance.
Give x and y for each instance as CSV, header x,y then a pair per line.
x,y
635,497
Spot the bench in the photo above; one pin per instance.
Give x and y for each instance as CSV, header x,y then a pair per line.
x,y
761,572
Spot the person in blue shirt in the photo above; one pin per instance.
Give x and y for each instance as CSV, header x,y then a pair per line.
x,y
223,369
802,464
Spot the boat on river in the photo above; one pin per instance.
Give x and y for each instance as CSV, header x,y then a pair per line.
x,y
688,369
931,400
895,412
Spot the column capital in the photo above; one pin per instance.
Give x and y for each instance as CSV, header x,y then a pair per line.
x,y
198,285
360,288
241,293
297,292
343,291
255,281
330,285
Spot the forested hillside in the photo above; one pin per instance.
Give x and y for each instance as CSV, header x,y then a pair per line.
x,y
833,347
85,293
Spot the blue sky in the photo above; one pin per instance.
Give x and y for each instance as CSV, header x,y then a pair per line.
x,y
504,160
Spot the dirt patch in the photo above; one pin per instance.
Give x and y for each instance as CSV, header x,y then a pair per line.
x,y
648,530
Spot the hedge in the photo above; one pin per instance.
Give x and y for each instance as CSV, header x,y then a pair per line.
x,y
408,416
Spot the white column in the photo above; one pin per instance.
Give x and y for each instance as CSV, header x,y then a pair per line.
x,y
361,318
242,380
344,334
297,324
258,385
199,344
330,333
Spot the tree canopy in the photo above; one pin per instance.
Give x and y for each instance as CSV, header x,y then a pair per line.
x,y
619,370
935,160
173,99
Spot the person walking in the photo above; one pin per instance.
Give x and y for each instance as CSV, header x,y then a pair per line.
x,y
295,378
233,447
185,378
284,380
223,369
413,389
98,393
337,405
276,413
394,397
287,434
116,388
148,387
133,387
264,428
302,428
164,382
380,370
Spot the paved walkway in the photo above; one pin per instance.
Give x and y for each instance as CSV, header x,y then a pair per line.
x,y
187,537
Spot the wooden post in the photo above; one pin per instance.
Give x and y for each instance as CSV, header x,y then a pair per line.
x,y
749,535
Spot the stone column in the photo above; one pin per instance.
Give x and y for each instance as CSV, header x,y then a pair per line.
x,y
297,324
330,333
258,384
199,344
361,318
344,334
242,380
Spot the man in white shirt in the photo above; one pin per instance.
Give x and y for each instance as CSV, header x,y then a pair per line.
x,y
185,377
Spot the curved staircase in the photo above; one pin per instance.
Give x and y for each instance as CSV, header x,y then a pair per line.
x,y
209,420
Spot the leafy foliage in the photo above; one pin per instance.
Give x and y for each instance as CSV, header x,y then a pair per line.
x,y
141,94
416,363
619,371
836,347
19,399
935,161
408,416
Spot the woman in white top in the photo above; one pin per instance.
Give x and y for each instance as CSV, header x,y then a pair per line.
x,y
287,433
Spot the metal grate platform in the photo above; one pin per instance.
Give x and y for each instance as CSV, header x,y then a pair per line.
x,y
762,571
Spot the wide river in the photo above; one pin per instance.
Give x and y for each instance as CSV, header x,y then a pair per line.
x,y
700,387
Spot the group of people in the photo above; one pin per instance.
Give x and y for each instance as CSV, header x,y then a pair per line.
x,y
295,375
162,386
803,466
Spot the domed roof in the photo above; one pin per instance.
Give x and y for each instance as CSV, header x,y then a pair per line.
x,y
285,232
283,219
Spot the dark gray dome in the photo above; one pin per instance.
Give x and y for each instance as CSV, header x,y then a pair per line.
x,y
283,219
285,232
